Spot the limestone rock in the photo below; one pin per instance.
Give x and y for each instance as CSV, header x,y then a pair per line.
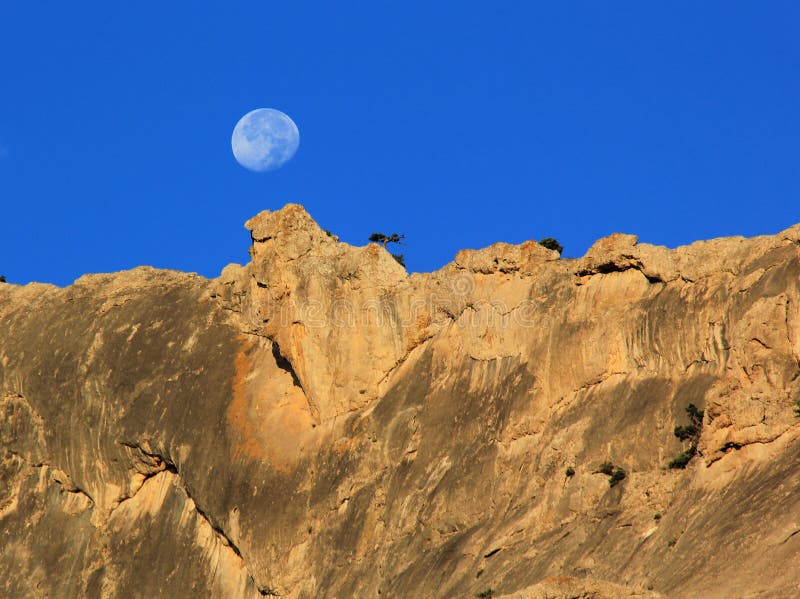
x,y
320,423
506,258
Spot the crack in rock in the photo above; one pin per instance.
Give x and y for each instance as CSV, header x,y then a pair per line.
x,y
284,364
166,465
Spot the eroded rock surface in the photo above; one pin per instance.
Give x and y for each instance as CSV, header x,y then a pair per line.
x,y
318,423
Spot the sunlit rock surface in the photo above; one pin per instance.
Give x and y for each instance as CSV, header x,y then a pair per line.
x,y
318,423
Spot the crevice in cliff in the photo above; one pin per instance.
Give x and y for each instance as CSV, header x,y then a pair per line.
x,y
714,455
284,364
701,361
302,255
621,264
403,358
148,465
225,539
63,479
255,333
611,266
166,465
790,535
31,464
788,326
77,491
599,380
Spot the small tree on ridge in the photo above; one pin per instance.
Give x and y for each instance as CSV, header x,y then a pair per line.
x,y
552,244
385,239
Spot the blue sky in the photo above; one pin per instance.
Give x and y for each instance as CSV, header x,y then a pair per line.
x,y
456,123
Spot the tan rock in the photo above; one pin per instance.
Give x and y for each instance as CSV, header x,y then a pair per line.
x,y
318,423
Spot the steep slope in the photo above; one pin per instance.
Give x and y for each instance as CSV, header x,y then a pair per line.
x,y
318,423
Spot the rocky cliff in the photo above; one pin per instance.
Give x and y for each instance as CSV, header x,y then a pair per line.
x,y
318,423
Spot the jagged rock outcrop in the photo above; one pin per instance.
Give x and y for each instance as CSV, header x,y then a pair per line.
x,y
318,423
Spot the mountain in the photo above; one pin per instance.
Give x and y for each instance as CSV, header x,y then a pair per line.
x,y
319,423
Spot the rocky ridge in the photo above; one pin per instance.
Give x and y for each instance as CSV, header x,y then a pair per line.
x,y
319,423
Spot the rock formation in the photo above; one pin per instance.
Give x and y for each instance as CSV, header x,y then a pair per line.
x,y
319,423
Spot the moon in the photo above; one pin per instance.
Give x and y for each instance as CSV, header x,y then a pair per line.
x,y
264,139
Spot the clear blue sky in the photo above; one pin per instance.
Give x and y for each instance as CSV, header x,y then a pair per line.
x,y
456,123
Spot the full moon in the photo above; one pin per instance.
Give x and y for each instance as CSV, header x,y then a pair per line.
x,y
264,139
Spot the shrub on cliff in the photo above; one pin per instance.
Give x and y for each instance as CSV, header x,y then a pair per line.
x,y
685,432
616,477
688,432
681,460
552,244
384,239
614,474
606,468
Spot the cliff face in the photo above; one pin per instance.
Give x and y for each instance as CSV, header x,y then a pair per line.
x,y
320,424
